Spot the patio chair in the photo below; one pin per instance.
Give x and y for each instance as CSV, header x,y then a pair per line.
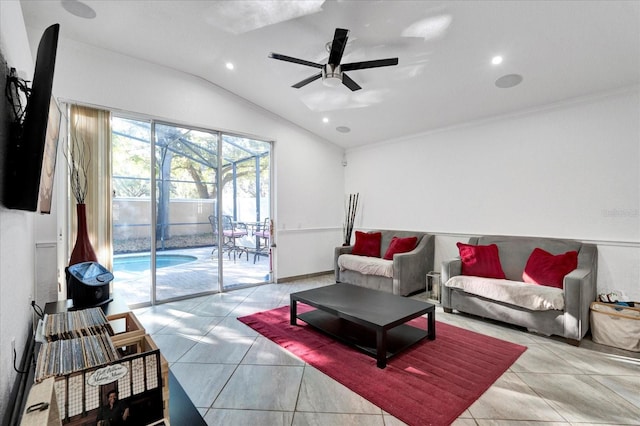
x,y
214,227
262,234
232,232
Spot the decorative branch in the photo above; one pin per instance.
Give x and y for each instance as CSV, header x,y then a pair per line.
x,y
351,208
78,156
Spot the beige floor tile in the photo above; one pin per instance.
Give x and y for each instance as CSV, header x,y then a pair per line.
x,y
628,387
464,422
213,349
580,398
231,327
172,346
524,403
214,309
265,352
320,393
593,362
217,417
191,325
485,422
202,382
258,387
539,359
320,419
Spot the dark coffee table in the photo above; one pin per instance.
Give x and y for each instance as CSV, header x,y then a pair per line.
x,y
370,320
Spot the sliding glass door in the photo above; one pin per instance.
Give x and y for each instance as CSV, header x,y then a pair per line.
x,y
204,227
245,208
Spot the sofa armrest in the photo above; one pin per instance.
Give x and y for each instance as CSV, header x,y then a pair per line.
x,y
450,268
580,290
337,252
410,269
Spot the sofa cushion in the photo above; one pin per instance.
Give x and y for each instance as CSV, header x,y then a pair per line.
x,y
547,269
524,295
366,265
514,251
480,261
400,245
367,244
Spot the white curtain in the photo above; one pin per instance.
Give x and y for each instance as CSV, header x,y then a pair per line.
x,y
94,127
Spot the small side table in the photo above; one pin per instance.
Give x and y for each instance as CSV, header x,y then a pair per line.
x,y
433,286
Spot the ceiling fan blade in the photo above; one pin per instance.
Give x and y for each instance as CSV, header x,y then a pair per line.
x,y
294,60
307,80
369,64
337,46
347,81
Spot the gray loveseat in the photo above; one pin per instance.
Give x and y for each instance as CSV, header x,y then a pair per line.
x,y
579,287
409,269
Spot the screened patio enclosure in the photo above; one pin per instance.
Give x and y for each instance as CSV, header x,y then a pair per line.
x,y
202,179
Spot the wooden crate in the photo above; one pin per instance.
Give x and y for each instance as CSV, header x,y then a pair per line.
x,y
125,325
128,345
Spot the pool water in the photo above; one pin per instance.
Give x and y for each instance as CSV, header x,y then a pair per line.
x,y
142,262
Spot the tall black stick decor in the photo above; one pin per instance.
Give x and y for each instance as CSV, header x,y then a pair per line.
x,y
350,210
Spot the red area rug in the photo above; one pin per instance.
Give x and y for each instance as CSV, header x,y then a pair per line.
x,y
431,383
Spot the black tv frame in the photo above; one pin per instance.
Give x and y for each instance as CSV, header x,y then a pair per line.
x,y
27,140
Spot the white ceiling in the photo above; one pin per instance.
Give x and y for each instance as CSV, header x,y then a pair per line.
x,y
563,49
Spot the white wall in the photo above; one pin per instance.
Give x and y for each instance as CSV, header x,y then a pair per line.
x,y
309,182
17,248
568,171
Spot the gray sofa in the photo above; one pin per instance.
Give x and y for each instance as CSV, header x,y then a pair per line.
x,y
409,269
579,287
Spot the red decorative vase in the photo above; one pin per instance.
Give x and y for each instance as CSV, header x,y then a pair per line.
x,y
83,250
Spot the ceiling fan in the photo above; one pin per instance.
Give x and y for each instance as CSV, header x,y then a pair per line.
x,y
332,73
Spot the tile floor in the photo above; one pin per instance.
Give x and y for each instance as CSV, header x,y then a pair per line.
x,y
234,376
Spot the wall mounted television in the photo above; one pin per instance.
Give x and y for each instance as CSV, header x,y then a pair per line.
x,y
27,142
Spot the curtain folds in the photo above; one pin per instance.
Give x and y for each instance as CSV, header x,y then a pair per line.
x,y
94,127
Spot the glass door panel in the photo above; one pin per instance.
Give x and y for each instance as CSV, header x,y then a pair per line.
x,y
245,207
186,191
131,207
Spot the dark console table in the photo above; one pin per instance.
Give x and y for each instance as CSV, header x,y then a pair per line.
x,y
370,320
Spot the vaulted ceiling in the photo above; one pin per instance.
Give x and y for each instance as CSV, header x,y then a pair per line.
x,y
445,76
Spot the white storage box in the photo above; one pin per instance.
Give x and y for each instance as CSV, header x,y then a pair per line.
x,y
615,325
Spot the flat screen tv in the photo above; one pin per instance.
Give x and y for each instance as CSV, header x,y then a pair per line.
x,y
27,142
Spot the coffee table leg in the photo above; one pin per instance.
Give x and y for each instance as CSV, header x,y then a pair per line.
x,y
381,348
431,319
293,312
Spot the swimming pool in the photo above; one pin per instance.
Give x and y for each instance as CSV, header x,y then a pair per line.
x,y
142,262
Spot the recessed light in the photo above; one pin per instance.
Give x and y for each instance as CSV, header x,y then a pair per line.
x,y
343,129
229,66
325,120
78,9
496,60
509,80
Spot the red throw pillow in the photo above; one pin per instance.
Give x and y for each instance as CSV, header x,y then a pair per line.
x,y
367,244
481,261
547,269
400,245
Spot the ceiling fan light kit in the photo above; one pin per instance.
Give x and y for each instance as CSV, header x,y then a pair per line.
x,y
331,76
332,73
